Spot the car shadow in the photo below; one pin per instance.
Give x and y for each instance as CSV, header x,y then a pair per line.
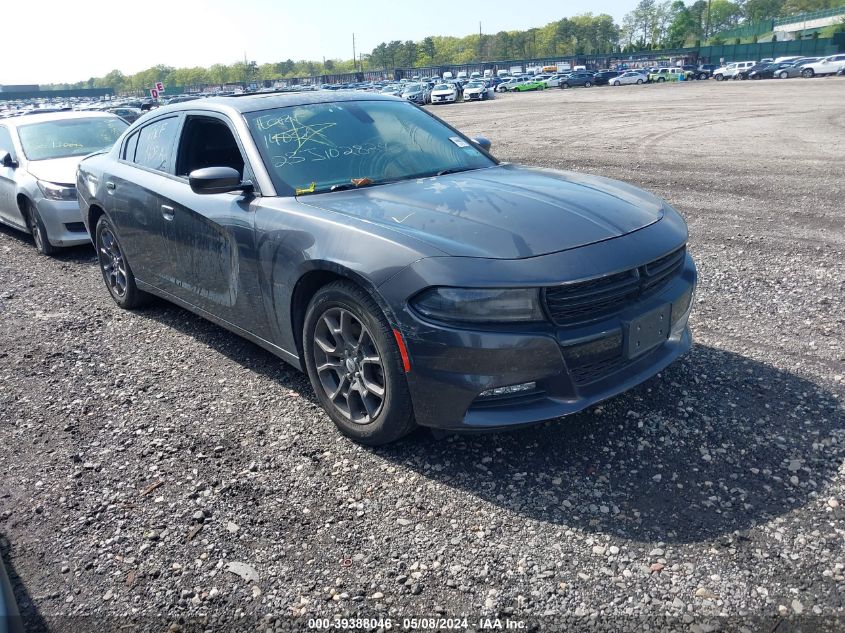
x,y
25,616
705,450
73,254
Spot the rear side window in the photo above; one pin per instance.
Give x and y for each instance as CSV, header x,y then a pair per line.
x,y
129,148
155,144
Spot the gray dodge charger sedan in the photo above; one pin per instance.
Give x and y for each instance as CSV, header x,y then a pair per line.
x,y
414,277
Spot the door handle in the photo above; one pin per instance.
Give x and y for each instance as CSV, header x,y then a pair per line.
x,y
167,212
110,185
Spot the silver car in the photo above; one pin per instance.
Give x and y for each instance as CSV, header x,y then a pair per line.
x,y
39,154
629,77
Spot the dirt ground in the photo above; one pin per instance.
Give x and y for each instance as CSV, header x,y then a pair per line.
x,y
156,470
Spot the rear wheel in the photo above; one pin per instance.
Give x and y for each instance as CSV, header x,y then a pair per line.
x,y
719,77
807,73
702,76
587,84
355,367
564,85
639,81
784,75
117,274
616,83
36,227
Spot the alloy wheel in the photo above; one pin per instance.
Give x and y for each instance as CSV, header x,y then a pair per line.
x,y
35,228
112,263
349,365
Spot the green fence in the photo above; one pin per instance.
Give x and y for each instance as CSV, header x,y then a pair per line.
x,y
814,15
741,52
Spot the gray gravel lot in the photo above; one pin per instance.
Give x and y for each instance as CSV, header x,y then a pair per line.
x,y
158,470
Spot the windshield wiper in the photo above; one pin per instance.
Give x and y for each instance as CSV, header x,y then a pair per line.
x,y
453,170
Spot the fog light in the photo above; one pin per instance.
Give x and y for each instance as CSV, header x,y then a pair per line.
x,y
509,390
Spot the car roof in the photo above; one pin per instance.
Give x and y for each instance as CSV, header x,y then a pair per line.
x,y
240,104
63,115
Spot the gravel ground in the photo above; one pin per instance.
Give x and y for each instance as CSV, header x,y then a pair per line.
x,y
160,472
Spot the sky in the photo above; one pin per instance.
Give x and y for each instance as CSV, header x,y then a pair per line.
x,y
58,41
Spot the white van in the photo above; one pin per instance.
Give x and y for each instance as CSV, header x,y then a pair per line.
x,y
448,75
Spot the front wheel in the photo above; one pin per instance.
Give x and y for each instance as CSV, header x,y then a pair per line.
x,y
660,80
587,84
784,75
117,274
353,361
807,73
38,230
719,78
616,83
702,76
564,85
639,81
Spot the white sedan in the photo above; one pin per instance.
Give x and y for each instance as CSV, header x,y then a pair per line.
x,y
477,90
444,93
553,81
826,66
629,77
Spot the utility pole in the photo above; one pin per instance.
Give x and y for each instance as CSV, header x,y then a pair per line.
x,y
354,55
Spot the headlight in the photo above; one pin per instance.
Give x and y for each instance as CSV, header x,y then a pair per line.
x,y
479,305
53,191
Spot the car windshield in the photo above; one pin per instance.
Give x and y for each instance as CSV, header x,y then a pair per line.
x,y
413,88
312,148
69,137
475,84
442,87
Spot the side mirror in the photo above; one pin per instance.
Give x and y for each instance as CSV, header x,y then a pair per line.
x,y
483,142
217,180
6,159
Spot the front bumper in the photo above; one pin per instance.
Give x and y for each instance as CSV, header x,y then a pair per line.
x,y
573,367
443,98
63,221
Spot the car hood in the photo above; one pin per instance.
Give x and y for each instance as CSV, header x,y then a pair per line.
x,y
502,212
58,170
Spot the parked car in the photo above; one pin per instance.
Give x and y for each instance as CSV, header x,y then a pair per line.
x,y
553,81
444,93
529,84
745,72
579,78
705,71
629,77
603,77
729,71
667,74
417,92
38,159
773,70
414,278
826,66
478,90
509,84
130,115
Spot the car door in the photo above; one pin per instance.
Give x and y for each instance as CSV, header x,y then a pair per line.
x,y
209,238
9,212
134,201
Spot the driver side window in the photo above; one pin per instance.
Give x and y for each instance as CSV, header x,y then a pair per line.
x,y
207,142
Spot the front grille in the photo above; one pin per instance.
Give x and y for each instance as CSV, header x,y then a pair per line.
x,y
591,372
596,298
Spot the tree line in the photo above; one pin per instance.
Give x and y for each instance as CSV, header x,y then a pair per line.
x,y
651,24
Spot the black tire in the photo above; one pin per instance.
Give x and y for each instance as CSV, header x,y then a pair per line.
x,y
616,83
394,416
639,82
37,229
719,78
564,85
784,75
660,80
702,76
807,73
114,267
588,84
